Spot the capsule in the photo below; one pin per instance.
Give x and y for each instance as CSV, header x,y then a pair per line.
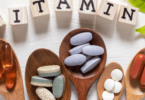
x,y
142,80
1,67
7,56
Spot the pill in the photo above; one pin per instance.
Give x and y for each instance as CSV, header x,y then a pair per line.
x,y
107,95
49,71
137,67
142,79
93,50
109,84
78,49
117,87
81,38
44,94
58,86
1,67
38,81
116,74
90,64
74,60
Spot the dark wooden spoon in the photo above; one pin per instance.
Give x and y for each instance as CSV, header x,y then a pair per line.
x,y
17,93
41,57
82,82
107,74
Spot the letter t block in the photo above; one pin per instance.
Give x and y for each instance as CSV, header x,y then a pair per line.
x,y
18,16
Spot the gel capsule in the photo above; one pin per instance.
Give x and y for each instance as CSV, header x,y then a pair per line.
x,y
1,67
7,56
142,80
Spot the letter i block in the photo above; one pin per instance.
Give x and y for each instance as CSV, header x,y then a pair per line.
x,y
107,9
88,6
128,15
2,23
18,16
63,5
39,8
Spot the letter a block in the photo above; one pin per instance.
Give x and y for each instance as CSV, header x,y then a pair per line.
x,y
107,9
128,15
18,16
63,5
2,23
88,6
39,8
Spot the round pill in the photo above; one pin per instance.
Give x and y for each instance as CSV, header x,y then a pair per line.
x,y
109,84
116,74
107,95
117,87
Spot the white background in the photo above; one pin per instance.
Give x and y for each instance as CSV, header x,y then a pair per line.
x,y
121,40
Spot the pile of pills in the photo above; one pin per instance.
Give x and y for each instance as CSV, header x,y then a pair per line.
x,y
113,85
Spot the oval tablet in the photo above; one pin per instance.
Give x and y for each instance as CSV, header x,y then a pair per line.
x,y
38,81
109,84
49,71
90,64
78,49
74,60
58,86
44,94
116,74
117,87
81,38
93,50
107,95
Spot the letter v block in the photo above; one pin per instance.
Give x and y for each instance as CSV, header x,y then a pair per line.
x,y
2,23
88,6
128,15
39,8
18,16
107,9
63,5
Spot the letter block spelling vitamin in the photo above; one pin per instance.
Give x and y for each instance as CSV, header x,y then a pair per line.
x,y
63,5
2,23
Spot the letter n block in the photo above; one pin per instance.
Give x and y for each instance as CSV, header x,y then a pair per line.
x,y
2,23
18,16
107,9
88,6
63,5
39,8
128,15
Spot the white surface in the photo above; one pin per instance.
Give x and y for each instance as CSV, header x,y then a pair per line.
x,y
121,40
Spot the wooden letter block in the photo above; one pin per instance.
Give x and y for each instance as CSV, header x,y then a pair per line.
x,y
128,15
39,7
63,5
18,16
88,6
107,9
2,23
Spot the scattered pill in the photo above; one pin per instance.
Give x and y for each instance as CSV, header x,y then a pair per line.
x,y
81,38
117,87
107,95
109,84
49,71
116,74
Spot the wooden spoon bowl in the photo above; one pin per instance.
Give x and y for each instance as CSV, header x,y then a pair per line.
x,y
133,89
106,74
16,93
41,57
82,82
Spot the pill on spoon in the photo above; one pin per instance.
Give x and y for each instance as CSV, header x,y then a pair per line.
x,y
116,74
81,38
107,95
109,84
117,87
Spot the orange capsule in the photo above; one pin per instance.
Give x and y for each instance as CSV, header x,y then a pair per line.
x,y
1,68
7,56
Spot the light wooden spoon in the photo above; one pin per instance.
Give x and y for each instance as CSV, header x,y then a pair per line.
x,y
82,82
41,57
17,93
133,89
106,74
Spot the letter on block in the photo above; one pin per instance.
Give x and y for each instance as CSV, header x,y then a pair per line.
x,y
88,6
39,7
18,15
2,23
128,15
107,9
63,5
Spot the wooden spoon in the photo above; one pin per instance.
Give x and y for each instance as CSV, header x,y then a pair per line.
x,y
17,93
133,89
41,57
107,74
82,82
